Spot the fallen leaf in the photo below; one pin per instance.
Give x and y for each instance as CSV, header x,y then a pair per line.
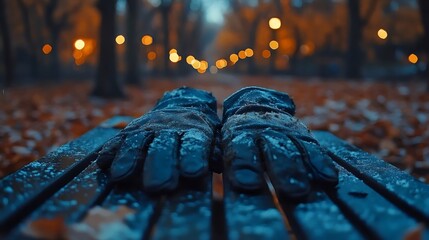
x,y
45,228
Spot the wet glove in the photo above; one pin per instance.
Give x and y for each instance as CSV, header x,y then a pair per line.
x,y
260,134
176,138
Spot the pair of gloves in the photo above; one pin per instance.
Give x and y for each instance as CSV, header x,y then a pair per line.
x,y
182,137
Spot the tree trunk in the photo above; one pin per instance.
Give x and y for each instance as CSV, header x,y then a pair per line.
x,y
106,83
354,54
32,48
166,38
55,71
8,61
132,74
424,15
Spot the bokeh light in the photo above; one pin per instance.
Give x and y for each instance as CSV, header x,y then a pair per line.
x,y
233,58
151,55
382,33
248,52
190,59
79,44
120,39
275,23
147,40
213,70
204,65
266,53
46,49
174,57
274,44
196,64
413,58
242,54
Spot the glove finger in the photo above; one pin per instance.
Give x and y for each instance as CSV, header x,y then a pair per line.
x,y
194,154
108,152
245,168
130,156
161,171
284,166
319,162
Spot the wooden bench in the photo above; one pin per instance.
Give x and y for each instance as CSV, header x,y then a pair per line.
x,y
373,200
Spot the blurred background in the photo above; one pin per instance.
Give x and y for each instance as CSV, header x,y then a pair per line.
x,y
358,68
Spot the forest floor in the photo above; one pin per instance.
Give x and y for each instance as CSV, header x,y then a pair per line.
x,y
389,119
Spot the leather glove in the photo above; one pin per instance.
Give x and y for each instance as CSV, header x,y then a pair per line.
x,y
260,134
176,138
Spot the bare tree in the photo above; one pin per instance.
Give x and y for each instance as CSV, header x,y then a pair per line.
x,y
8,61
424,14
132,74
30,41
57,21
106,83
356,26
165,9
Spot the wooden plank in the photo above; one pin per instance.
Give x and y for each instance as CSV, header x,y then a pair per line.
x,y
146,209
252,216
24,190
72,201
319,218
397,186
186,214
377,217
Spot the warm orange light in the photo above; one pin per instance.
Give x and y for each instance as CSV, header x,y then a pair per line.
x,y
173,50
221,63
242,54
248,52
213,70
46,49
174,57
305,49
200,70
79,61
266,54
274,44
77,54
147,40
382,33
196,64
233,58
190,59
275,23
79,44
413,58
120,39
204,65
151,55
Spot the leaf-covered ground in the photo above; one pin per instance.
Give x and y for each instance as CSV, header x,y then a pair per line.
x,y
389,119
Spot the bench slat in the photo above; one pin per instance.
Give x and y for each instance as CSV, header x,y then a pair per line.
x,y
250,216
186,215
145,207
319,218
377,217
399,187
23,191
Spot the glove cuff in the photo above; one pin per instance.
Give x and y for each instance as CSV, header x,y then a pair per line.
x,y
187,97
263,98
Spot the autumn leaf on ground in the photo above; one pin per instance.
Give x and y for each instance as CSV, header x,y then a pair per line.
x,y
104,224
415,233
45,229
